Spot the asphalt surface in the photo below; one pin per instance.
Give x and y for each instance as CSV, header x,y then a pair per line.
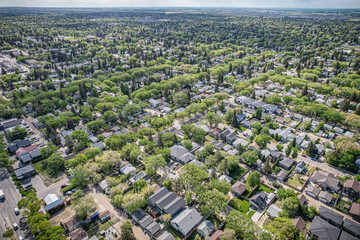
x,y
12,196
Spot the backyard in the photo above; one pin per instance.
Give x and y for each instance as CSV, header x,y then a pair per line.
x,y
297,181
41,169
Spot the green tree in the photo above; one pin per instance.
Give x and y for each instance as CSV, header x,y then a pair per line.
x,y
212,201
84,206
311,150
250,157
258,113
262,139
192,175
153,163
80,176
92,152
282,228
126,231
48,150
253,179
55,163
222,186
213,119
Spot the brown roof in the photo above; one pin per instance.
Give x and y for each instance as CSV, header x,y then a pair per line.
x,y
302,199
355,209
68,223
78,234
299,223
216,235
238,187
355,185
104,214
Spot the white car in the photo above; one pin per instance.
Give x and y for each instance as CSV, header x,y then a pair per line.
x,y
16,227
17,211
20,238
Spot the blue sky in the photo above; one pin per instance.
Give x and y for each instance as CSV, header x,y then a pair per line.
x,y
186,3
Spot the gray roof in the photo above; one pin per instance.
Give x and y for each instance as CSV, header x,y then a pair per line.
x,y
165,200
157,195
153,227
145,221
186,220
329,214
175,206
166,236
314,190
323,230
286,163
177,151
352,226
23,171
347,236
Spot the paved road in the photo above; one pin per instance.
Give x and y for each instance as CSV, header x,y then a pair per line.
x,y
12,196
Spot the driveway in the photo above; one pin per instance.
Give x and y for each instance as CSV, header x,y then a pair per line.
x,y
257,215
53,188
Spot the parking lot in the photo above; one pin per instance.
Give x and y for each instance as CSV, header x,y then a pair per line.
x,y
7,214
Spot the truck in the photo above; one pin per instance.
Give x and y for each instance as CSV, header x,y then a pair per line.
x,y
2,195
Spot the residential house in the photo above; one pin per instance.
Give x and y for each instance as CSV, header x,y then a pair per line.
x,y
286,163
275,155
146,221
104,186
326,197
140,175
281,176
302,199
166,236
216,235
25,172
299,223
231,137
153,228
104,216
186,221
128,169
259,200
355,210
78,234
53,203
99,145
300,167
154,103
215,133
205,228
224,134
71,223
238,188
181,154
352,188
322,230
157,195
312,191
326,180
351,227
273,211
331,216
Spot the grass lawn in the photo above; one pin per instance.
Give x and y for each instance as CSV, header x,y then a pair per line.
x,y
250,214
295,182
265,189
240,205
342,203
311,170
40,168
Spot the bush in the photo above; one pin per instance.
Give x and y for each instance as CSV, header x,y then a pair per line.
x,y
68,188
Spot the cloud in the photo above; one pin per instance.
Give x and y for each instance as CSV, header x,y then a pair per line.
x,y
186,3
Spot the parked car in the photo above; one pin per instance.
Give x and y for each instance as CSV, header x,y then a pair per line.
x,y
16,210
64,185
16,227
303,155
20,238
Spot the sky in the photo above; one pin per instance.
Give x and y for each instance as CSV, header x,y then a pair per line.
x,y
186,3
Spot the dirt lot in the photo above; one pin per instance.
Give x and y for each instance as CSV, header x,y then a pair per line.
x,y
64,214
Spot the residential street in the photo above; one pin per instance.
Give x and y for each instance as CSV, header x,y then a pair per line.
x,y
12,196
